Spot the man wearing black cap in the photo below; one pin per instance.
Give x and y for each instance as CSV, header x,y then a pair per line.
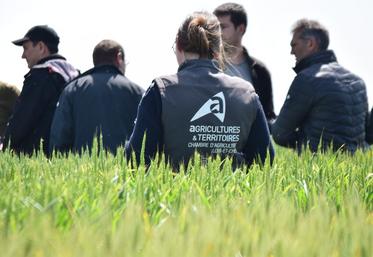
x,y
34,110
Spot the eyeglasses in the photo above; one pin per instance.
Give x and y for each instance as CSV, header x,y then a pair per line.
x,y
174,47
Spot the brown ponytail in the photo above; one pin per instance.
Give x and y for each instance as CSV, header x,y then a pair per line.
x,y
200,33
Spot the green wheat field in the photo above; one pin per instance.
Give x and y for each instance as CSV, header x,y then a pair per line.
x,y
313,205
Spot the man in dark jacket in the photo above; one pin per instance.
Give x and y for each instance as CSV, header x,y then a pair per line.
x,y
49,72
326,106
102,101
233,23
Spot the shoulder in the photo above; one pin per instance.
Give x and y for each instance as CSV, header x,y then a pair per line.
x,y
75,84
235,82
258,63
319,74
255,62
42,76
314,69
151,99
304,84
166,80
160,85
335,69
132,86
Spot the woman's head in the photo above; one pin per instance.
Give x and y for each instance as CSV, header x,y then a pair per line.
x,y
200,35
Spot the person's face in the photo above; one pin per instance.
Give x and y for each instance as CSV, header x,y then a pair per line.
x,y
230,34
300,47
32,53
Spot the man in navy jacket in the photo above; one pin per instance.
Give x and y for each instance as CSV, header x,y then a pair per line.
x,y
102,101
326,106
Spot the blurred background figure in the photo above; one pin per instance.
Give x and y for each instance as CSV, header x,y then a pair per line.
x,y
8,97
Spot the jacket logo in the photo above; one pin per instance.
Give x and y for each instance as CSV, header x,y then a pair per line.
x,y
215,105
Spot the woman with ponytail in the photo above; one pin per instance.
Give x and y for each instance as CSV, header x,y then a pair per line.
x,y
200,108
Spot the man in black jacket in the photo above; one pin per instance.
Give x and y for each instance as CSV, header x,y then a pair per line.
x,y
49,72
233,23
102,101
326,106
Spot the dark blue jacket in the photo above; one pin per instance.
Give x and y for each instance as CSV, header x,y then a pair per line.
x,y
100,101
151,120
326,103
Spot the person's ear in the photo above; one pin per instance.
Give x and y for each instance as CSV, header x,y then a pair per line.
x,y
40,45
120,63
179,53
43,48
241,28
178,46
312,44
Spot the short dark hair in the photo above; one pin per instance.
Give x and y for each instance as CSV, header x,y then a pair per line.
x,y
53,48
106,52
311,28
236,11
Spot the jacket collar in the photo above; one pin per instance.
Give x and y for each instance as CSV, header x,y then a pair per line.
x,y
200,63
322,57
106,68
50,57
250,60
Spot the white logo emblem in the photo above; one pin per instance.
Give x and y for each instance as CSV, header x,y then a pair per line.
x,y
215,105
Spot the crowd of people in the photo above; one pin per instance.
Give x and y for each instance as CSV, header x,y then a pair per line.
x,y
220,101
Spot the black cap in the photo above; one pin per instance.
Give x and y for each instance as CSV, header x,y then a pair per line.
x,y
40,33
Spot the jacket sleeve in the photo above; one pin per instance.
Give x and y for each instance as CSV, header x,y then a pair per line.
x,y
259,144
369,130
148,124
62,132
287,128
266,96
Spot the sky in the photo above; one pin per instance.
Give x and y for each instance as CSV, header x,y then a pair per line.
x,y
147,30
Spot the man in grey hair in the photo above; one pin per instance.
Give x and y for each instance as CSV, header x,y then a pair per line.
x,y
326,106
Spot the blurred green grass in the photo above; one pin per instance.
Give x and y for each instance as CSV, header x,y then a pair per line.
x,y
312,205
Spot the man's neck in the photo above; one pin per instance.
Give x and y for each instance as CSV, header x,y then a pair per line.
x,y
237,55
